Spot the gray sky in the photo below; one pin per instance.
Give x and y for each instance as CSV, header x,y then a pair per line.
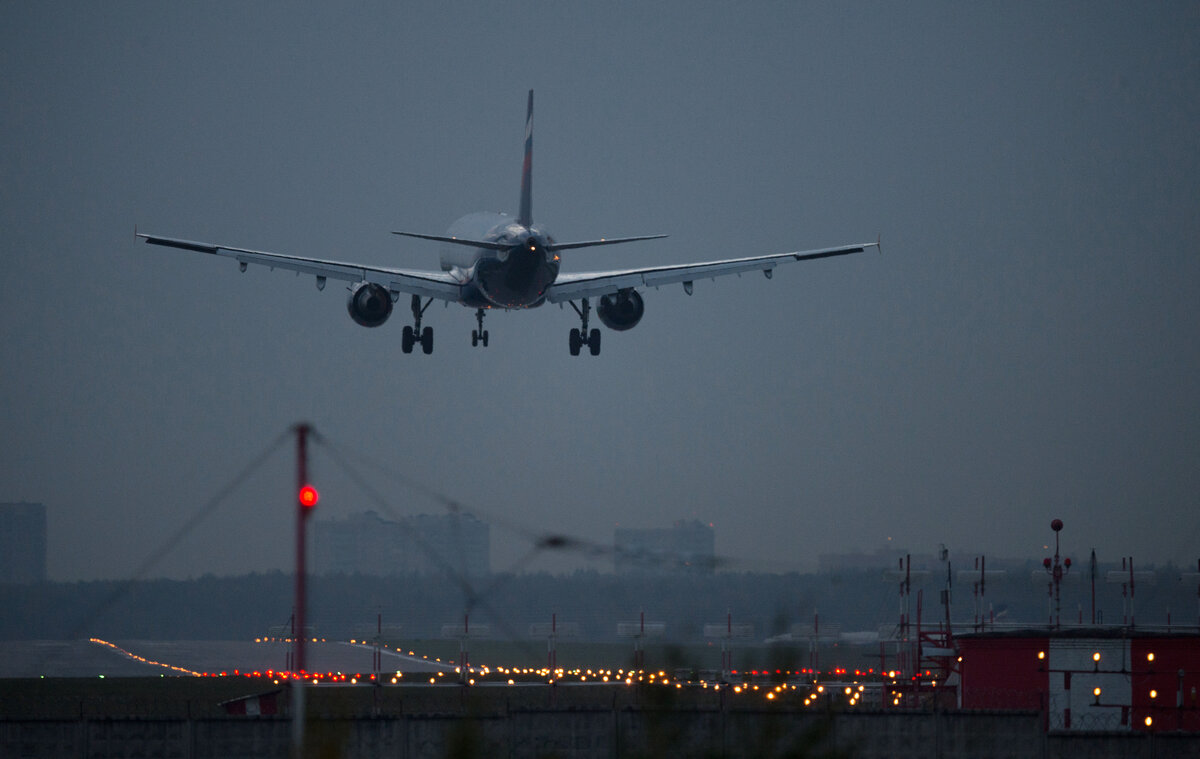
x,y
1025,348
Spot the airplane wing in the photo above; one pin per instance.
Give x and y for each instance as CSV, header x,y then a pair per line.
x,y
594,284
429,284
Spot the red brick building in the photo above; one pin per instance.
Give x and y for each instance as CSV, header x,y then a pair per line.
x,y
1088,679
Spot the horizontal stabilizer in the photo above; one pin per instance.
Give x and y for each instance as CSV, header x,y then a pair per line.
x,y
553,247
458,241
601,241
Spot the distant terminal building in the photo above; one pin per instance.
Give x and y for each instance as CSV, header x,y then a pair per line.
x,y
451,544
685,547
22,542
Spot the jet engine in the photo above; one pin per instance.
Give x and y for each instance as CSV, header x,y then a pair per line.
x,y
370,304
621,311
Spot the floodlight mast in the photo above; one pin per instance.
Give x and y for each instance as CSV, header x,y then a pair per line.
x,y
1057,569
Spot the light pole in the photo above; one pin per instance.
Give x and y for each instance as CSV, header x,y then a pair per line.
x,y
1057,569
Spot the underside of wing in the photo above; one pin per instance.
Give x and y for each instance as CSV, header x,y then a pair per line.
x,y
429,284
570,287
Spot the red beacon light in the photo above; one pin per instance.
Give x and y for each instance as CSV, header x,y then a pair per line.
x,y
308,496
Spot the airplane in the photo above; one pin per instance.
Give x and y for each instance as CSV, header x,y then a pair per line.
x,y
491,260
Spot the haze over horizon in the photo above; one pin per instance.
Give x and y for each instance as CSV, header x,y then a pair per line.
x,y
1026,347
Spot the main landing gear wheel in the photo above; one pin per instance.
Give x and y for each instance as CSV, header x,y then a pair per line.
x,y
414,334
581,337
479,335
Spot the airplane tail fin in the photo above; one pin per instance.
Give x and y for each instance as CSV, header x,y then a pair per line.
x,y
525,217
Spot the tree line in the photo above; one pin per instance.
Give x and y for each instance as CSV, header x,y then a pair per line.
x,y
340,606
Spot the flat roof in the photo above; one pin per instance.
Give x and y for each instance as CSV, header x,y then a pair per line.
x,y
1081,632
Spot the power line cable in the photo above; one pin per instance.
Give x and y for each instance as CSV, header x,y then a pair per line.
x,y
551,541
472,598
123,587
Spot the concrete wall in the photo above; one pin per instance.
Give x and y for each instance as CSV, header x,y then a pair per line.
x,y
588,734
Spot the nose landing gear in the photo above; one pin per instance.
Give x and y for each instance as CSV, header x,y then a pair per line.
x,y
479,335
415,334
581,336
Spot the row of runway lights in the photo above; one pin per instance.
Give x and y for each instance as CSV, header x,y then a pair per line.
x,y
812,692
836,672
144,660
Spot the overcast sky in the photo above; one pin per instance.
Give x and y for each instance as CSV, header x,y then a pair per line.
x,y
1027,347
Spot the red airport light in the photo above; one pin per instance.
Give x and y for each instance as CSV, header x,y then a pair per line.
x,y
308,496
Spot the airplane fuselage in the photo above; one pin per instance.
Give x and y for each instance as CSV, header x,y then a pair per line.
x,y
515,275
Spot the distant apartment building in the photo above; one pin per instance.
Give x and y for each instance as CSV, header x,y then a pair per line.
x,y
685,547
449,544
22,542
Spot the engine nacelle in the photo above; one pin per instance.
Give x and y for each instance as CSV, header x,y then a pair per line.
x,y
621,311
370,304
